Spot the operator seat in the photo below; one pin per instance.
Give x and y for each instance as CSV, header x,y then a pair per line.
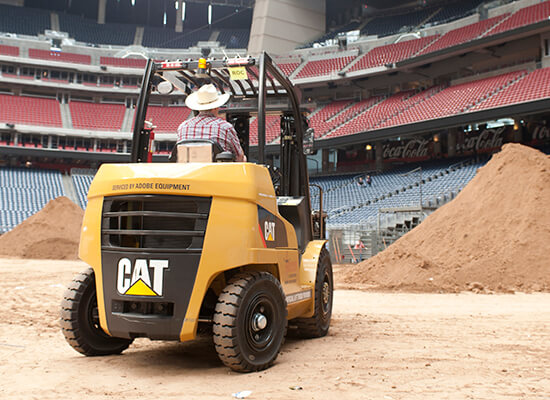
x,y
199,150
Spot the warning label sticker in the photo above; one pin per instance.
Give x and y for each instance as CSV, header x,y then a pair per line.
x,y
237,73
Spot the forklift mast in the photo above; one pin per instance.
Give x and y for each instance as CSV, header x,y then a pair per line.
x,y
251,93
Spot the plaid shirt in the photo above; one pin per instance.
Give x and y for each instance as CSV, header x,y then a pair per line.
x,y
207,126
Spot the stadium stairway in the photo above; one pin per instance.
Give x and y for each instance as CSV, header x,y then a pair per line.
x,y
54,21
69,189
128,120
389,234
82,179
496,92
66,119
138,37
427,19
298,69
351,203
414,100
353,110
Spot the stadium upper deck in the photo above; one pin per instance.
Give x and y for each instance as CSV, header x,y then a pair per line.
x,y
82,81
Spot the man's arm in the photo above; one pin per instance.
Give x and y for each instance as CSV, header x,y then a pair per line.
x,y
234,144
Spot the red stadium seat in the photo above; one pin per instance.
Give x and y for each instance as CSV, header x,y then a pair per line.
x,y
288,68
123,62
272,129
60,56
525,16
533,86
97,116
6,50
167,119
463,34
391,53
454,99
323,67
30,111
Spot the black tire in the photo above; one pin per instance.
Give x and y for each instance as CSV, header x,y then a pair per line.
x,y
80,319
319,323
250,322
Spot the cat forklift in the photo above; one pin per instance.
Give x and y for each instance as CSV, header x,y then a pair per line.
x,y
232,247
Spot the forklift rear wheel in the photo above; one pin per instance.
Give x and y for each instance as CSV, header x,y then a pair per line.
x,y
318,324
80,319
250,322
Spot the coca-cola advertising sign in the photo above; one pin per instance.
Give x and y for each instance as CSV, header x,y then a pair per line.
x,y
411,149
540,133
485,140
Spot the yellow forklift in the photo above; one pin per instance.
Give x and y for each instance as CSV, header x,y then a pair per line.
x,y
231,246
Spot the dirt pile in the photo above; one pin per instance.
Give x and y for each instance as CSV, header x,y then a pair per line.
x,y
51,233
495,236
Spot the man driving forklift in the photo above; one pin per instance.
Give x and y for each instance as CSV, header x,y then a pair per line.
x,y
207,124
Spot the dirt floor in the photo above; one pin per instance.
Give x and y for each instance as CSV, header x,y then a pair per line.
x,y
380,346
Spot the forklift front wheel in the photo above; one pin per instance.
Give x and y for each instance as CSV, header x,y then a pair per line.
x,y
250,322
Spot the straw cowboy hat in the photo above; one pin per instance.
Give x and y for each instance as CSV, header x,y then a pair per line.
x,y
206,98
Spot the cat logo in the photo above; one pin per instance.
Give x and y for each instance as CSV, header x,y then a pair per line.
x,y
269,231
136,281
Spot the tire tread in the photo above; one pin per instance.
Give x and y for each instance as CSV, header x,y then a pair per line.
x,y
69,323
224,321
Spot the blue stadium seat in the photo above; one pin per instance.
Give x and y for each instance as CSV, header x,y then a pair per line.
x,y
82,180
168,38
24,192
86,30
347,202
234,38
24,21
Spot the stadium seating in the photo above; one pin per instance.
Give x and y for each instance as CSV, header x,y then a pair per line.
x,y
97,116
333,33
354,110
6,50
323,67
29,110
61,56
320,120
373,116
24,21
456,10
272,129
454,99
24,192
388,25
391,53
167,119
337,124
82,180
347,202
463,34
534,86
525,16
168,38
288,68
123,62
234,38
88,31
398,105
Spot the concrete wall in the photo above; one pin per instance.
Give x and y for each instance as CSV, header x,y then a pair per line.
x,y
512,7
278,26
